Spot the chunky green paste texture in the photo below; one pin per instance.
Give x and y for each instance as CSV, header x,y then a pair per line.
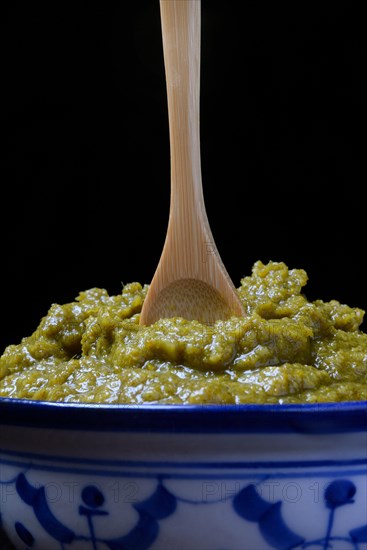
x,y
285,350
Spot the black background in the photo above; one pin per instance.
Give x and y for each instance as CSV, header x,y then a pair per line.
x,y
85,152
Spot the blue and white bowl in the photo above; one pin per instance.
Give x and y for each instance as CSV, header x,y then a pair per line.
x,y
249,477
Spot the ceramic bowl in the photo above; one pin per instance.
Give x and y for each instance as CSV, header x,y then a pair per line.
x,y
250,477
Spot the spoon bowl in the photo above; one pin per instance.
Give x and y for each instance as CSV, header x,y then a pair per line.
x,y
191,280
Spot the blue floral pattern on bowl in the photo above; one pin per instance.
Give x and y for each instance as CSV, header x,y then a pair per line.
x,y
183,478
253,502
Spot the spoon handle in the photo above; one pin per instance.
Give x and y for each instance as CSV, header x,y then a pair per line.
x,y
190,280
180,21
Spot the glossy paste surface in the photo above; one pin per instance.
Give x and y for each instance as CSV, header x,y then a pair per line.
x,y
285,350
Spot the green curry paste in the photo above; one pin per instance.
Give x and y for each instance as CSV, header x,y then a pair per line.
x,y
285,350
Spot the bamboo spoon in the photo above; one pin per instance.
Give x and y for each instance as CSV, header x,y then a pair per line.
x,y
190,280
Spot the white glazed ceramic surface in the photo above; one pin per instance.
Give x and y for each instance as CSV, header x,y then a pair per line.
x,y
183,478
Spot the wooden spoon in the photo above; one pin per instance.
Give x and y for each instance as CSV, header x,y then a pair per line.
x,y
190,280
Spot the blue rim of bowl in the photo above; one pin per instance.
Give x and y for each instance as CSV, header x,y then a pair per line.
x,y
319,418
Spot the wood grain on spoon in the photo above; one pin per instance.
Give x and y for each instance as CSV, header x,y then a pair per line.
x,y
191,280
